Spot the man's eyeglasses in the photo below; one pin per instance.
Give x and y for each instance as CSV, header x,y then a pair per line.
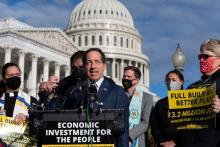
x,y
205,56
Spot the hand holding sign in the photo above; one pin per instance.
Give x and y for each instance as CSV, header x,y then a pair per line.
x,y
21,117
216,104
170,143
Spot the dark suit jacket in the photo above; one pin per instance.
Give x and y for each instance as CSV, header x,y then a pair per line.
x,y
113,97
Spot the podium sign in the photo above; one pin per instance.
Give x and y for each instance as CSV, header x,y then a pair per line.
x,y
75,129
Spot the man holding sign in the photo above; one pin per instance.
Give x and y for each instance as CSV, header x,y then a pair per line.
x,y
209,59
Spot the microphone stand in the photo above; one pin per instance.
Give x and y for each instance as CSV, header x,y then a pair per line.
x,y
91,99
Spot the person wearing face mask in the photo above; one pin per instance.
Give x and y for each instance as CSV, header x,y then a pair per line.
x,y
56,93
14,102
209,59
140,104
163,133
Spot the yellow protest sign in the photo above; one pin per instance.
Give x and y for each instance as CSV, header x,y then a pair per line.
x,y
191,108
15,134
190,98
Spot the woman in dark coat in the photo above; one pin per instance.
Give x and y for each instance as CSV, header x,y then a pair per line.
x,y
162,131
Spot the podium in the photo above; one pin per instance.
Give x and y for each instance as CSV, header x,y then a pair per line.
x,y
76,129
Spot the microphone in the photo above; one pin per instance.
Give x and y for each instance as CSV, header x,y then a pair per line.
x,y
93,98
93,91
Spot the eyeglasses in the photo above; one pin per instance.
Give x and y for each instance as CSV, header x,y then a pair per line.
x,y
205,56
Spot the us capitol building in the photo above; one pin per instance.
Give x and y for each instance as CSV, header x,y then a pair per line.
x,y
42,52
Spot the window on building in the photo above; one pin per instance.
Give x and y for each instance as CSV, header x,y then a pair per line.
x,y
86,40
115,41
100,39
75,15
121,41
107,41
109,69
74,39
116,70
93,40
132,44
127,43
79,41
79,16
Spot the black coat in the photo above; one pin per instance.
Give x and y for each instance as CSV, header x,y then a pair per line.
x,y
161,128
204,137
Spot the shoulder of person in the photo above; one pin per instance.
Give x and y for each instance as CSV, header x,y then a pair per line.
x,y
65,80
109,81
24,93
163,101
195,84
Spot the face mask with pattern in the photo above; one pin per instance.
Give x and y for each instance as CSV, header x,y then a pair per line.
x,y
206,65
127,83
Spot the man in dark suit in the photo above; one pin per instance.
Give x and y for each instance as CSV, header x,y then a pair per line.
x,y
111,95
55,95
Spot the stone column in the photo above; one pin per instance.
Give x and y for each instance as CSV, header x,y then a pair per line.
x,y
136,64
8,54
66,70
147,77
105,71
33,86
113,68
45,70
142,71
57,69
21,55
122,69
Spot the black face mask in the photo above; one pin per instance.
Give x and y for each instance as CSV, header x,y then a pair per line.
x,y
13,83
79,74
127,83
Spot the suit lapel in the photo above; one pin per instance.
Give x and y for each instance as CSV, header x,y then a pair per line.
x,y
104,89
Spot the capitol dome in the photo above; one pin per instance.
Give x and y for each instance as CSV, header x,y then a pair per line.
x,y
101,11
108,25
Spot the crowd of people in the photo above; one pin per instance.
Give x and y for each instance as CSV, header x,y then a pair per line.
x,y
140,112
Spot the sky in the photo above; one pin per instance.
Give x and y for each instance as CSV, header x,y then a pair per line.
x,y
162,24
